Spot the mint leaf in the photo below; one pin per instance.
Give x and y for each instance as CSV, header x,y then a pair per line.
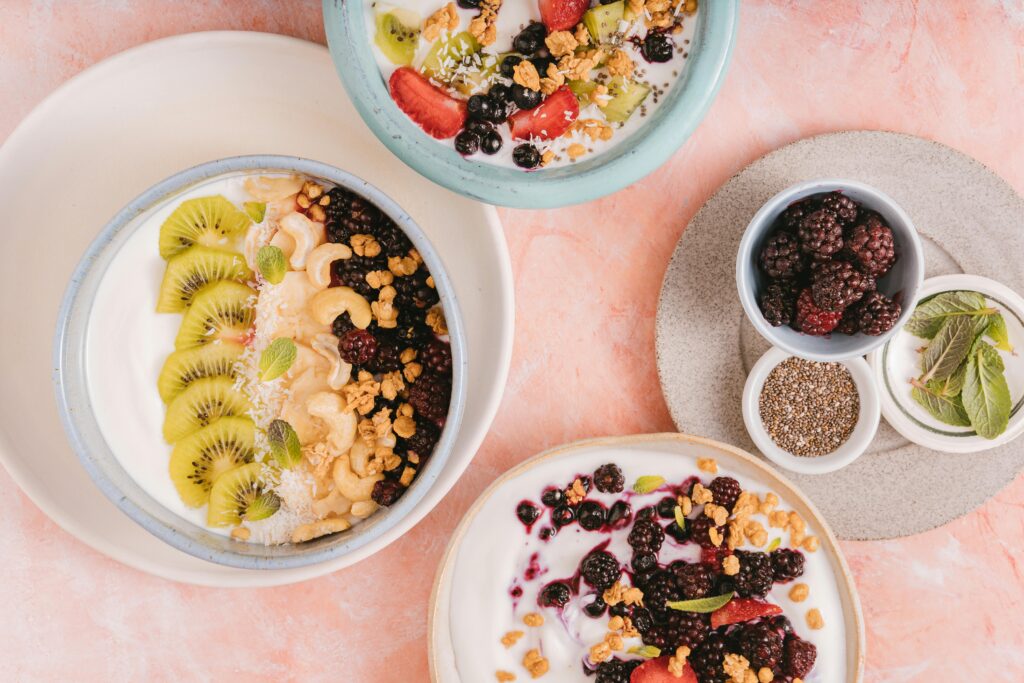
x,y
943,407
986,395
256,211
774,544
277,358
645,651
701,605
929,316
272,264
648,483
284,444
997,332
948,349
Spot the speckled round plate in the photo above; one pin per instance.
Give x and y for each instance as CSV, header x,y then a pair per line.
x,y
969,220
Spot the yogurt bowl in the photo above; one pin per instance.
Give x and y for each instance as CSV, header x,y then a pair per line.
x,y
390,91
113,351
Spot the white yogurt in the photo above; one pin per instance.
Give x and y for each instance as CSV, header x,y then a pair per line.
x,y
496,551
512,18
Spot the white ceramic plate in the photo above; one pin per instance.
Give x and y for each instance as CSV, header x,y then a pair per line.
x,y
138,117
469,561
897,361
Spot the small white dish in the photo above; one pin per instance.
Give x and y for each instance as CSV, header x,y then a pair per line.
x,y
863,433
896,362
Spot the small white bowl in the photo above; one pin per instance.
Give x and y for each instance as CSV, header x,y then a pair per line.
x,y
863,433
896,362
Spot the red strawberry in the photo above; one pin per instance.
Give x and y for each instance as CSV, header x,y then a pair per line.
x,y
656,671
548,120
742,609
560,15
436,112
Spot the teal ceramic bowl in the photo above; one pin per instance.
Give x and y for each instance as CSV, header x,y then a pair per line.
x,y
647,149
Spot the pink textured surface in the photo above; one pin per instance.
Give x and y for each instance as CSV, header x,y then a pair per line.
x,y
943,606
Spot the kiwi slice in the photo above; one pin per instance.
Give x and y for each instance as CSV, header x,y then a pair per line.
x,y
603,21
446,56
199,460
398,35
222,310
241,494
211,221
625,97
473,81
193,269
202,403
184,367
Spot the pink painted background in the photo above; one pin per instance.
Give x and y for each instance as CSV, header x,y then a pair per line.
x,y
944,606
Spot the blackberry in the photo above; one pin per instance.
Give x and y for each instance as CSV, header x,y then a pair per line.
x,y
760,644
423,440
393,240
563,515
794,213
837,284
590,515
352,273
619,514
781,256
798,657
436,357
469,4
778,302
656,47
412,291
877,314
388,358
660,588
349,214
666,507
411,330
700,531
708,657
386,493
527,513
726,491
646,535
643,563
694,580
780,623
608,478
787,564
429,396
596,608
341,325
357,347
820,235
555,594
844,208
755,577
642,619
552,497
848,324
812,320
547,533
616,670
600,569
871,246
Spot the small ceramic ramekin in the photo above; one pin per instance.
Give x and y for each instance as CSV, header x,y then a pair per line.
x,y
675,118
97,457
903,280
896,363
863,433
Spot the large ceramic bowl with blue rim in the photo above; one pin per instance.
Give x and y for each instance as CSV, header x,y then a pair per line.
x,y
647,149
74,372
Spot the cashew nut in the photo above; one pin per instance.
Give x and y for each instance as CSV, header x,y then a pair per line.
x,y
318,263
284,242
307,532
328,304
359,458
305,233
364,509
271,188
351,485
332,503
341,423
255,238
327,346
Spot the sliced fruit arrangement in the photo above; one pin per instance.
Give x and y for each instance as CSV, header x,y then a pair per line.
x,y
459,76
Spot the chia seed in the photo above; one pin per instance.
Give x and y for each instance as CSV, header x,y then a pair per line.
x,y
809,409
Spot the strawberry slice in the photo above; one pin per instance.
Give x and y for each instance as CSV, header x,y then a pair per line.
x,y
434,110
656,671
561,15
742,609
549,119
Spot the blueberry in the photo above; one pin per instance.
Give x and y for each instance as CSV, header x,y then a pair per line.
x,y
656,48
666,506
591,515
530,39
480,128
499,111
526,156
619,610
619,514
541,64
524,97
647,513
563,515
467,143
677,532
644,562
491,142
596,608
500,92
552,497
527,512
547,533
469,4
480,107
508,66
554,595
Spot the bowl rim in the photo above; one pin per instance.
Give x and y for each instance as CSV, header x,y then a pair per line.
x,y
855,446
908,426
85,436
752,233
647,149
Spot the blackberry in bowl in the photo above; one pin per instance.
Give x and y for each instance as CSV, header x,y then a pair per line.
x,y
829,269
